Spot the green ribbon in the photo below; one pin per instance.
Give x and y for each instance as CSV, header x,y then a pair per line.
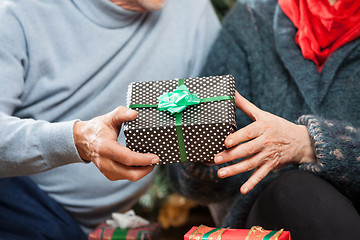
x,y
176,102
269,235
120,233
207,235
180,137
202,100
179,131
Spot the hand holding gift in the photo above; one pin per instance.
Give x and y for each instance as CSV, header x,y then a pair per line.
x,y
96,141
270,142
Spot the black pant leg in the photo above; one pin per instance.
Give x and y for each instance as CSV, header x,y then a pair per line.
x,y
307,206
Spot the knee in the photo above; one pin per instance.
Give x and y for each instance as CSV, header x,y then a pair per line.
x,y
293,189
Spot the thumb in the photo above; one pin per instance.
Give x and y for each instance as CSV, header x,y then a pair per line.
x,y
247,107
121,114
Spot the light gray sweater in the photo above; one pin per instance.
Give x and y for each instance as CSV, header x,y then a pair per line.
x,y
73,59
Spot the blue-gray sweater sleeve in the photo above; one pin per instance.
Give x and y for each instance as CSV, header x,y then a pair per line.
x,y
27,146
337,149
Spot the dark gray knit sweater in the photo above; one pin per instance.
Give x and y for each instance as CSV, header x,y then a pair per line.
x,y
257,46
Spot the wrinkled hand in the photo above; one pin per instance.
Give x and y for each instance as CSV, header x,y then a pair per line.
x,y
269,143
96,141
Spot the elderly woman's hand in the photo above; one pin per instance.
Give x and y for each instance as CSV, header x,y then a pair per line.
x,y
270,142
96,141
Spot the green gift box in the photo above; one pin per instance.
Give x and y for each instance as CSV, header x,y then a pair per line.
x,y
196,133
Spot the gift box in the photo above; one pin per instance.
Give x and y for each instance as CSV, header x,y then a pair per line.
x,y
181,120
255,233
106,232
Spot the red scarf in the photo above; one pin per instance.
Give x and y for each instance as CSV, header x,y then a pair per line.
x,y
323,28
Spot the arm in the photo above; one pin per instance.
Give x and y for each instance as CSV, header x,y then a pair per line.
x,y
269,143
27,146
329,149
30,146
337,150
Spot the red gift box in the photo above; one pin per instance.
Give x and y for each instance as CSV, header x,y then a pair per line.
x,y
106,232
255,233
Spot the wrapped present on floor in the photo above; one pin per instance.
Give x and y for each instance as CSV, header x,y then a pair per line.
x,y
255,233
183,120
126,226
106,232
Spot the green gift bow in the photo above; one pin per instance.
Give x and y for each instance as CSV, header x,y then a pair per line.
x,y
176,102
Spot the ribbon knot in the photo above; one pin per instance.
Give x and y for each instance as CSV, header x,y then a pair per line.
x,y
178,100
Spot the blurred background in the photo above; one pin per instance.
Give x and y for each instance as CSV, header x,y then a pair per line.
x,y
222,7
176,214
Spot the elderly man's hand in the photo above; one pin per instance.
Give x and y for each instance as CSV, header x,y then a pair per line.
x,y
96,141
270,142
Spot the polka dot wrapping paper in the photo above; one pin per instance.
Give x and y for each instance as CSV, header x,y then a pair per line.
x,y
203,127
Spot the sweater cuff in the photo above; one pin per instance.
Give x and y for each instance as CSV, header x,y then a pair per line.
x,y
319,145
58,144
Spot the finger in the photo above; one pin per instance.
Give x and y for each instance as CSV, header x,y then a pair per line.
x,y
116,171
121,114
259,174
247,107
136,173
243,150
245,165
244,134
115,151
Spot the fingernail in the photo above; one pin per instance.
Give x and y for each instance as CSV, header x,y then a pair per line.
x,y
218,159
223,173
130,112
155,161
230,142
245,190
